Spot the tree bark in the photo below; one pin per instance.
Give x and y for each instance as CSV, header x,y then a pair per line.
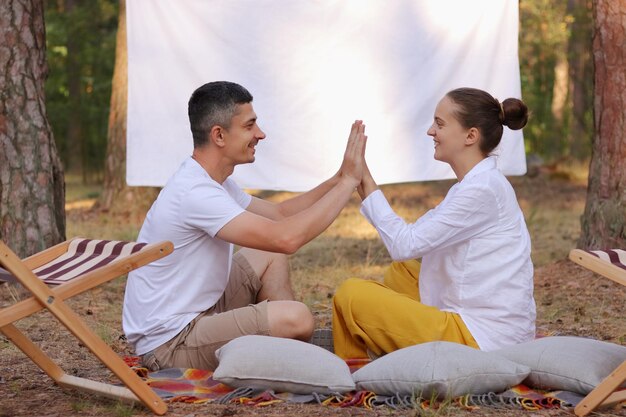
x,y
32,189
117,195
604,220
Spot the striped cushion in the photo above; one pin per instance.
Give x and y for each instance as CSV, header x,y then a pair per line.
x,y
82,256
616,257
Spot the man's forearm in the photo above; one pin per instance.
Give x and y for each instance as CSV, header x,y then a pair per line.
x,y
253,229
313,220
305,200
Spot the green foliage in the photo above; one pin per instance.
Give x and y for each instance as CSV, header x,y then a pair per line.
x,y
555,62
76,191
433,407
121,409
80,405
4,343
14,387
80,39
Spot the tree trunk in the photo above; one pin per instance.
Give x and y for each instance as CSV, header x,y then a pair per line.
x,y
604,220
117,195
32,190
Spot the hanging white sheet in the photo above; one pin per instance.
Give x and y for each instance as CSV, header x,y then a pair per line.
x,y
313,67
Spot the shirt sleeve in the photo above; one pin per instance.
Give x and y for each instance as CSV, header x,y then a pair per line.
x,y
209,207
463,214
241,197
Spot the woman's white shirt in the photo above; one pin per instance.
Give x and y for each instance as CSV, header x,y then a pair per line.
x,y
475,251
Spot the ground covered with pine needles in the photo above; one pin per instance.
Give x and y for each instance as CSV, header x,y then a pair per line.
x,y
570,299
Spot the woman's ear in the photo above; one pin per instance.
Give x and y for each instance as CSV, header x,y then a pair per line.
x,y
473,136
216,135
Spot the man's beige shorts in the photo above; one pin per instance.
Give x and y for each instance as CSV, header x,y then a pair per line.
x,y
234,315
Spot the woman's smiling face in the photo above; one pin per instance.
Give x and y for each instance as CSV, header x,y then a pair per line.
x,y
447,133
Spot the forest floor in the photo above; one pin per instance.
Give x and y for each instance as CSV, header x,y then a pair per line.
x,y
570,300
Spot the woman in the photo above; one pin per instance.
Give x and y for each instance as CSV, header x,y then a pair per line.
x,y
474,284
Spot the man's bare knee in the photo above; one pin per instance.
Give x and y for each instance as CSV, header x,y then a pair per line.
x,y
290,319
303,323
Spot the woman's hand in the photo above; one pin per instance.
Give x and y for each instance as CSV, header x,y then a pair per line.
x,y
367,185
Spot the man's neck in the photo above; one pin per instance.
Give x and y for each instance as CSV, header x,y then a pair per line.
x,y
214,165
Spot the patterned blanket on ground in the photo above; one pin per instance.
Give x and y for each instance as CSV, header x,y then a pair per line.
x,y
198,386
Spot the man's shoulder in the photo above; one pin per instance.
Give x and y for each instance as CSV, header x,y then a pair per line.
x,y
187,177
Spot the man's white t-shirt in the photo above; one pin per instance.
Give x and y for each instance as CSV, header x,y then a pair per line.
x,y
164,296
475,251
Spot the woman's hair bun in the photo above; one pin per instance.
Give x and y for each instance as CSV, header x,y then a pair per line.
x,y
515,113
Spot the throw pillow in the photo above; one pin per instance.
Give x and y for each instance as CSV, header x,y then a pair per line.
x,y
281,365
566,363
439,369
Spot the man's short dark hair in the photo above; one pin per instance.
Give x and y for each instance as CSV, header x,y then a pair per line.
x,y
214,103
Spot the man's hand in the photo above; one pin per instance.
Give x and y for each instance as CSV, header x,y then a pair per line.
x,y
354,156
353,132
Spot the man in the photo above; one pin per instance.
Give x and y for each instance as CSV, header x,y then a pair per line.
x,y
180,309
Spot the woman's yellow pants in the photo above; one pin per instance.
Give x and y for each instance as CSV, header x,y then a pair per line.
x,y
374,318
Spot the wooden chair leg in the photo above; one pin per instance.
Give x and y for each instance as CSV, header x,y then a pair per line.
x,y
604,393
137,390
33,352
78,328
58,375
109,358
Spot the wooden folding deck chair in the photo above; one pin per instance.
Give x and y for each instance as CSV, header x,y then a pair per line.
x,y
71,268
612,265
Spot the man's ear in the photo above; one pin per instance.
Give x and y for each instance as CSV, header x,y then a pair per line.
x,y
216,135
473,136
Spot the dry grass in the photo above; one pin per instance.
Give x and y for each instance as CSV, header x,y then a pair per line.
x,y
570,300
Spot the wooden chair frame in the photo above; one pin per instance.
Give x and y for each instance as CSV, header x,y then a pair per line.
x,y
52,299
607,392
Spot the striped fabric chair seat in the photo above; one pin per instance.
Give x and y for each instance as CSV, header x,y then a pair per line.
x,y
610,263
616,257
82,256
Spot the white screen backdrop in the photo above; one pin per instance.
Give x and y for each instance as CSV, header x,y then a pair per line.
x,y
313,67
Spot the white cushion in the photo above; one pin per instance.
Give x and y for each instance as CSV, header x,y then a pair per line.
x,y
566,362
439,369
281,365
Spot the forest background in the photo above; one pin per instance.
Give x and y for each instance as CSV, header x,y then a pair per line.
x,y
63,114
555,62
